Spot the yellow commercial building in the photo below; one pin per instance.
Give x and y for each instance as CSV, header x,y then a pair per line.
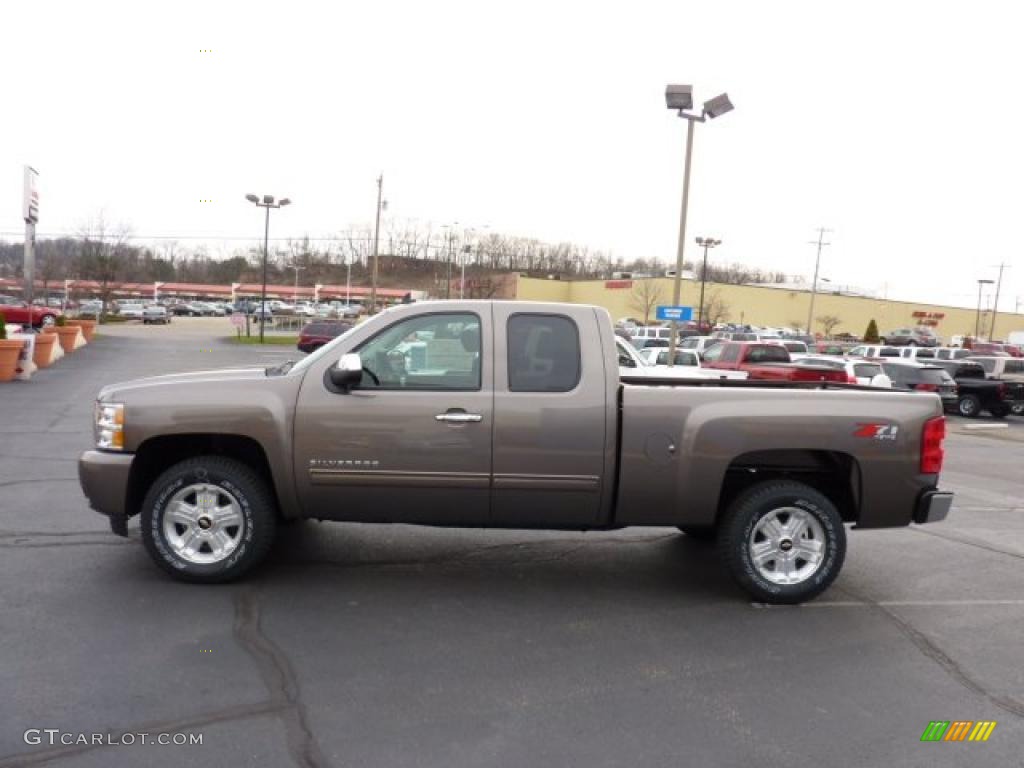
x,y
769,306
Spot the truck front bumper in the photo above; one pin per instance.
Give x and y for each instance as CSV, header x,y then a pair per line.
x,y
932,506
104,479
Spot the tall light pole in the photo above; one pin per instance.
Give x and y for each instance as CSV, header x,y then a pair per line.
x,y
381,205
680,98
267,203
977,317
814,283
295,291
705,243
451,243
995,304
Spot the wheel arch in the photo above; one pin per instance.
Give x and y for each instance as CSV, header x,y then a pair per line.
x,y
834,474
157,454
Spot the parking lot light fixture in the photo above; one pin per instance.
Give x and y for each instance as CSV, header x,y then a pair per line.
x,y
977,317
268,203
705,243
680,98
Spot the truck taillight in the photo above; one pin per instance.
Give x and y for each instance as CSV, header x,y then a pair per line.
x,y
925,387
1001,391
932,451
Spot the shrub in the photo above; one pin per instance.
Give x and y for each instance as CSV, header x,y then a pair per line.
x,y
61,321
871,334
3,326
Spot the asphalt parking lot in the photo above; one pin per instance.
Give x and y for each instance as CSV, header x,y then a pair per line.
x,y
401,646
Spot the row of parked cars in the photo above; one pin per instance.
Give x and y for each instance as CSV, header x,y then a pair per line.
x,y
967,382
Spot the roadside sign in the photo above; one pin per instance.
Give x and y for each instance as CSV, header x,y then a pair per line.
x,y
237,319
675,313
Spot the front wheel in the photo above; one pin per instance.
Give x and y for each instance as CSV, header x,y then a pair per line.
x,y
783,542
208,520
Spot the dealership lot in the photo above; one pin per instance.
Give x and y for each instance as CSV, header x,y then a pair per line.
x,y
370,645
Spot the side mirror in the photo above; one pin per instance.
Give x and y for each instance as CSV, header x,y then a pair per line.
x,y
348,372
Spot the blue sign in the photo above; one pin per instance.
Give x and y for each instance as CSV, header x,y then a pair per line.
x,y
675,313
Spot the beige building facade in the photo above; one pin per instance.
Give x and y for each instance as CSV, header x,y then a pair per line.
x,y
770,306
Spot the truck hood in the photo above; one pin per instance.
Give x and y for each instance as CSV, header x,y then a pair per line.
x,y
223,375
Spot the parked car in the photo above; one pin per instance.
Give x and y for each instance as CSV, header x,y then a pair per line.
x,y
635,365
16,311
319,332
90,308
797,349
977,393
910,337
644,342
767,362
987,348
951,353
155,314
864,372
873,350
659,356
700,344
542,434
130,309
917,377
832,348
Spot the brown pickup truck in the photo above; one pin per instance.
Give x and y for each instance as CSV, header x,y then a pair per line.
x,y
510,415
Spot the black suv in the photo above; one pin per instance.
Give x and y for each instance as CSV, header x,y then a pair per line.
x,y
922,378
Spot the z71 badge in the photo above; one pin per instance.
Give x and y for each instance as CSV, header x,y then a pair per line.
x,y
877,431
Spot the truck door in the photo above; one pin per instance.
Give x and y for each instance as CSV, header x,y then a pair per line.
x,y
550,427
412,442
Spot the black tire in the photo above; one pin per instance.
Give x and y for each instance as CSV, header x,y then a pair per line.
x,y
736,533
255,534
699,532
999,411
1018,409
969,406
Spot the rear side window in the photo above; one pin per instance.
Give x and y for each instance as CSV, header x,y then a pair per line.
x,y
1014,366
935,376
970,372
989,365
926,352
543,353
888,352
315,329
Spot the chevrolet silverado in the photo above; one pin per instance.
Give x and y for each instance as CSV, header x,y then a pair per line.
x,y
512,415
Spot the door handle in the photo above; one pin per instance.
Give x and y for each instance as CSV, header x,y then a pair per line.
x,y
459,417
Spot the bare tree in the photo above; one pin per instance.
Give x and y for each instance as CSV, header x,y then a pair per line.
x,y
828,322
646,295
102,255
716,309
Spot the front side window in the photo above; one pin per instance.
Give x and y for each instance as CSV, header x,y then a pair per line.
x,y
543,353
432,352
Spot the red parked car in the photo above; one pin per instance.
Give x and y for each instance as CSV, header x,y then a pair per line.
x,y
17,311
989,348
769,362
316,334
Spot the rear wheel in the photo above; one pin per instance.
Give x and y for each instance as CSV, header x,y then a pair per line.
x,y
969,406
208,520
783,542
1017,409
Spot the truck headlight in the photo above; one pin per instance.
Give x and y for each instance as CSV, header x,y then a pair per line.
x,y
109,426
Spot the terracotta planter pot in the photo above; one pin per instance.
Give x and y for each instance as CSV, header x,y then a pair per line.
x,y
9,351
44,349
88,327
67,335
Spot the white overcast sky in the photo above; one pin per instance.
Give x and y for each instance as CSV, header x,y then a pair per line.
x,y
898,125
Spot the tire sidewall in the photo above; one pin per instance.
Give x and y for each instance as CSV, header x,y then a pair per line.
x,y
968,407
752,510
155,507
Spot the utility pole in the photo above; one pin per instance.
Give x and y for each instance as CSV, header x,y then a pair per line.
x,y
376,239
995,306
295,292
814,284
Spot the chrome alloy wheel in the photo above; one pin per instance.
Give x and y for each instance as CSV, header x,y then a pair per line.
x,y
203,523
787,545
